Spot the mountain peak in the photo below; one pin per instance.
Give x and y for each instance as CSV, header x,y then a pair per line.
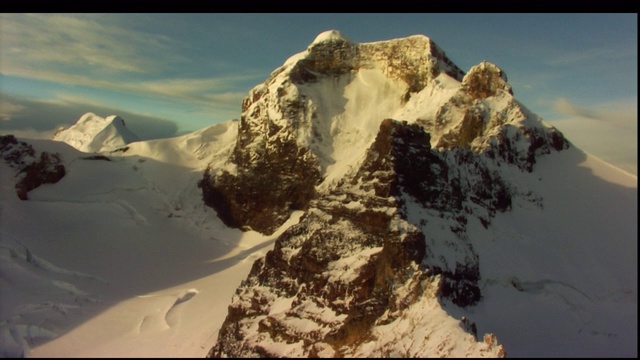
x,y
330,36
92,133
485,79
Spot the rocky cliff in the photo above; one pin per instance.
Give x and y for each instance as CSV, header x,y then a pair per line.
x,y
391,149
32,169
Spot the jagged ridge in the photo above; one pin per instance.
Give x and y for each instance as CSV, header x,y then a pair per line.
x,y
32,170
396,203
288,128
341,267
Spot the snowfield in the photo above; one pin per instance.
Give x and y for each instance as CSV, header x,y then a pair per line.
x,y
119,258
122,259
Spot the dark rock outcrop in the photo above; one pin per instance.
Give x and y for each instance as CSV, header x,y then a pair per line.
x,y
33,170
266,188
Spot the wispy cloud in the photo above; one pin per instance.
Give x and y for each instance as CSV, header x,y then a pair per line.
x,y
8,109
530,82
570,58
607,130
565,107
233,97
620,112
87,50
199,91
70,42
61,98
203,91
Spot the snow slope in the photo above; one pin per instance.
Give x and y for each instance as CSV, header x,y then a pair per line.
x,y
92,133
111,262
116,256
573,264
560,269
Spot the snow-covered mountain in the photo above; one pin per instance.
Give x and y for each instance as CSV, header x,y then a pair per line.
x,y
370,198
92,133
110,260
406,168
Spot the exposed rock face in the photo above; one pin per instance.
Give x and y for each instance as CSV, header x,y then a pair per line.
x,y
264,192
484,116
389,233
414,168
364,221
414,59
275,166
33,170
484,80
18,154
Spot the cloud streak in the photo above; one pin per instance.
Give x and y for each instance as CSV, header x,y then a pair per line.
x,y
99,52
564,106
219,93
573,58
8,109
622,112
607,129
63,42
199,91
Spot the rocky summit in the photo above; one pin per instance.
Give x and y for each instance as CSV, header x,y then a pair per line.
x,y
391,150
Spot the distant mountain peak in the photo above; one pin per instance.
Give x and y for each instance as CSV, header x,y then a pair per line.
x,y
92,133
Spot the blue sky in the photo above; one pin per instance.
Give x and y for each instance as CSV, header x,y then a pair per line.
x,y
172,73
